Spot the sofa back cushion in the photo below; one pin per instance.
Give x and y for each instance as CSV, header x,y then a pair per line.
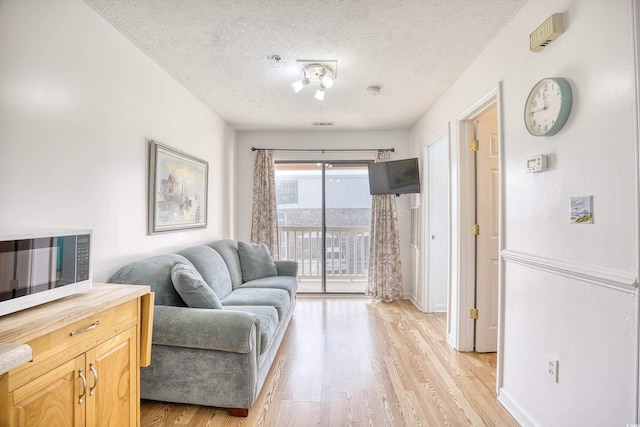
x,y
154,272
211,267
192,288
228,250
256,261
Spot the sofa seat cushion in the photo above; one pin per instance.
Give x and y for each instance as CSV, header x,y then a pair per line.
x,y
268,321
192,288
287,283
277,298
256,261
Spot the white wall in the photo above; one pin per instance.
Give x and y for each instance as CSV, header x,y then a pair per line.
x,y
321,140
78,103
569,290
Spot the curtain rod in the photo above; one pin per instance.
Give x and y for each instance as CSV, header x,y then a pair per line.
x,y
323,150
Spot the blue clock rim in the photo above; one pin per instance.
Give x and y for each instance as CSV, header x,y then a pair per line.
x,y
565,107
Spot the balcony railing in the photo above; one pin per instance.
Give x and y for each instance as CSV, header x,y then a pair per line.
x,y
345,254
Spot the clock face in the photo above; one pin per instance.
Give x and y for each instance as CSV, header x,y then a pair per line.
x,y
548,106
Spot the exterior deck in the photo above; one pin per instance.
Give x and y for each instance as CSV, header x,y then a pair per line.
x,y
345,259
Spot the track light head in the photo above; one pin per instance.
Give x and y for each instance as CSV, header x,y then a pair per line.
x,y
320,93
327,80
299,85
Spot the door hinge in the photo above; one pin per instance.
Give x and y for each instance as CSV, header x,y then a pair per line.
x,y
475,229
474,145
474,313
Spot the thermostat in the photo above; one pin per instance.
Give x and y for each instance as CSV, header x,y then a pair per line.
x,y
537,163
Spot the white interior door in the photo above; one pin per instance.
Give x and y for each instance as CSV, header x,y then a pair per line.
x,y
487,174
438,229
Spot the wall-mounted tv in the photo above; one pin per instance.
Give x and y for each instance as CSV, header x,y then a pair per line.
x,y
394,177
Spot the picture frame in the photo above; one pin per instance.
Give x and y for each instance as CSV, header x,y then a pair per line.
x,y
581,210
177,190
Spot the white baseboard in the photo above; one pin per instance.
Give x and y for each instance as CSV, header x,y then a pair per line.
x,y
440,308
415,302
515,410
451,341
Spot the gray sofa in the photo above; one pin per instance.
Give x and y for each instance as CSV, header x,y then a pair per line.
x,y
217,356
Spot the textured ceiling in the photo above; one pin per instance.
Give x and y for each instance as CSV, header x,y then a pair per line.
x,y
221,50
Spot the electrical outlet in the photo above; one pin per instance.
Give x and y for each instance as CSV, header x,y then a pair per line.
x,y
552,368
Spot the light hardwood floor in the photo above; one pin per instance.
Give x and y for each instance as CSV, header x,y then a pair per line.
x,y
358,362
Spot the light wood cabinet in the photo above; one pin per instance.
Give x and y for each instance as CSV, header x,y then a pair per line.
x,y
49,399
114,363
87,353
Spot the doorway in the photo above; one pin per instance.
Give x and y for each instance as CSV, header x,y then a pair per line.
x,y
324,219
486,239
466,272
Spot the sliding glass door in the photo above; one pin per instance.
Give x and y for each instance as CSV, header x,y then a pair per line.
x,y
324,215
299,197
347,223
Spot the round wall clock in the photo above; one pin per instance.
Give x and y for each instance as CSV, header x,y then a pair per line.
x,y
548,106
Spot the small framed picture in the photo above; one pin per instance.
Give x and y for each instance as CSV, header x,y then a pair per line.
x,y
177,190
582,210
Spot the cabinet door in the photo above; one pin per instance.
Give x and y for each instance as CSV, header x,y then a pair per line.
x,y
52,399
113,382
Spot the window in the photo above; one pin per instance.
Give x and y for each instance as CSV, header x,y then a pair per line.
x,y
287,192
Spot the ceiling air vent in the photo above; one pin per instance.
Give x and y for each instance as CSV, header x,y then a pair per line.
x,y
323,123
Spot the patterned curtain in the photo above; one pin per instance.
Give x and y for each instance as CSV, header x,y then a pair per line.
x,y
385,267
264,215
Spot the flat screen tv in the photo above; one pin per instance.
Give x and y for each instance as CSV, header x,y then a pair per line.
x,y
394,177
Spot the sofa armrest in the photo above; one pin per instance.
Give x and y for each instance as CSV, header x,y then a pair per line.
x,y
287,267
223,330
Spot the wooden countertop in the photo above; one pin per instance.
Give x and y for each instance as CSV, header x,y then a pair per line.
x,y
18,328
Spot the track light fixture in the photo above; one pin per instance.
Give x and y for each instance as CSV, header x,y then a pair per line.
x,y
319,71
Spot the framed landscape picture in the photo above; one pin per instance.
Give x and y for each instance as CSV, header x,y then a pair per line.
x,y
581,210
177,190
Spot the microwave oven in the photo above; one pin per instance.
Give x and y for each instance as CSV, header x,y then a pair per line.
x,y
39,266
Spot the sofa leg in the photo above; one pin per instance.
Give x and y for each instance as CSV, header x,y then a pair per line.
x,y
238,412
